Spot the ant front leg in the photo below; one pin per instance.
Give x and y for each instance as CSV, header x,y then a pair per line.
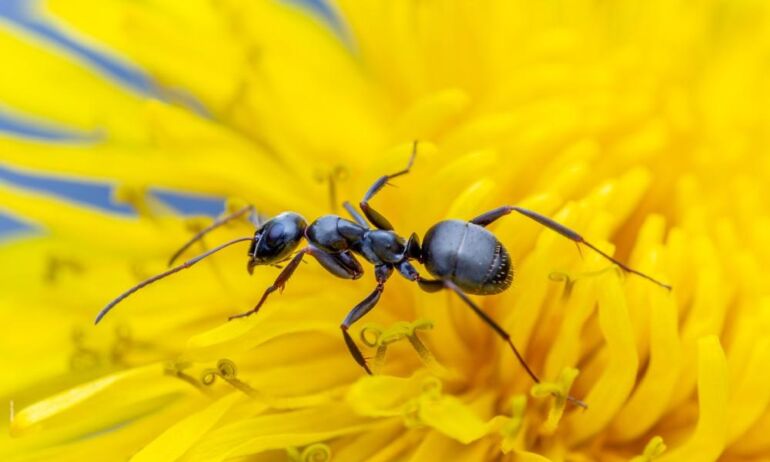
x,y
382,273
279,283
343,265
489,217
374,216
248,210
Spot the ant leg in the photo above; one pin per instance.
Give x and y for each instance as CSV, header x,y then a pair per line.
x,y
279,283
491,323
343,265
430,285
502,333
382,273
216,224
354,213
374,216
489,217
409,272
434,285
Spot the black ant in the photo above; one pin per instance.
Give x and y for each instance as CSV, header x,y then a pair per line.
x,y
462,256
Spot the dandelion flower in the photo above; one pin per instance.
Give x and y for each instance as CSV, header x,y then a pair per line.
x,y
641,125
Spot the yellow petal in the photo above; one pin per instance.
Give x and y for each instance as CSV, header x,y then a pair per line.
x,y
441,447
51,86
649,401
175,441
707,314
196,53
708,440
613,387
750,392
431,114
128,388
278,318
277,431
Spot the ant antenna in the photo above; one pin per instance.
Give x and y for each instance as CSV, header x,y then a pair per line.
x,y
162,275
249,209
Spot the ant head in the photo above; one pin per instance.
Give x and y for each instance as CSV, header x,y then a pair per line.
x,y
276,240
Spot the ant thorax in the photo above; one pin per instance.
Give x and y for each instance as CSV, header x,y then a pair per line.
x,y
381,247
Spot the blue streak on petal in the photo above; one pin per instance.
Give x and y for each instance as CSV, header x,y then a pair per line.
x,y
89,193
22,13
27,128
322,9
10,227
99,194
189,204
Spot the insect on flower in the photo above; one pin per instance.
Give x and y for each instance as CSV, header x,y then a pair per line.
x,y
462,256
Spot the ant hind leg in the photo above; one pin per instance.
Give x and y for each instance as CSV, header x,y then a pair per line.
x,y
502,334
491,216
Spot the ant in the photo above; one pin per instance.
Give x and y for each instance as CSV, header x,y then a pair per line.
x,y
462,256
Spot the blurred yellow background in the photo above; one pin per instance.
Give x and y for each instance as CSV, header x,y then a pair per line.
x,y
126,127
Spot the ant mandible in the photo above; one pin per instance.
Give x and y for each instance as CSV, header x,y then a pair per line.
x,y
462,256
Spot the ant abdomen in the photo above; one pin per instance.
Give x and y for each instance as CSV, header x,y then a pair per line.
x,y
468,255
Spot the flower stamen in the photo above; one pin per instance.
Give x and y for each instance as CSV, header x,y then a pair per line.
x,y
375,336
335,174
569,280
176,369
85,357
227,371
430,390
654,449
56,265
511,429
139,198
560,391
318,452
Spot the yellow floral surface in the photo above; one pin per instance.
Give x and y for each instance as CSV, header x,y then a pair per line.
x,y
641,124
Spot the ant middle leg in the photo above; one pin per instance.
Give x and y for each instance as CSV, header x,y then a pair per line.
x,y
382,273
491,216
374,216
248,210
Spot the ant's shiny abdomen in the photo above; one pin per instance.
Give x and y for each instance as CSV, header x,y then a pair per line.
x,y
468,255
